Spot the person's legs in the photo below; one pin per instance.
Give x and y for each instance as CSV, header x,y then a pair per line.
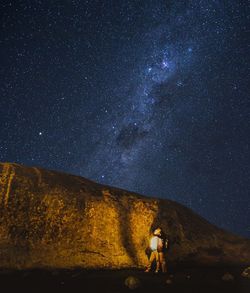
x,y
157,262
153,256
162,261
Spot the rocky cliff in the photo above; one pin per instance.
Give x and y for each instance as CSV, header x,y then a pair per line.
x,y
52,219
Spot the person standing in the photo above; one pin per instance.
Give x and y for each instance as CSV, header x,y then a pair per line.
x,y
155,243
162,246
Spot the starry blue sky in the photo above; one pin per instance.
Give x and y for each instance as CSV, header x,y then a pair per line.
x,y
151,96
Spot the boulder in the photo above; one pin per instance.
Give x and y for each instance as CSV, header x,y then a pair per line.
x,y
56,220
132,282
227,277
246,273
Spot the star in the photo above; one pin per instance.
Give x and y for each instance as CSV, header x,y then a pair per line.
x,y
165,64
149,98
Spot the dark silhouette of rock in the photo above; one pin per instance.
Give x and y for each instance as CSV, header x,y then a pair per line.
x,y
227,277
169,281
51,219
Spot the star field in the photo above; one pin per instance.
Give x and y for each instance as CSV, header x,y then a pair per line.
x,y
149,96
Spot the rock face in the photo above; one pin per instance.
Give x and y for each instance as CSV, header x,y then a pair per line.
x,y
52,219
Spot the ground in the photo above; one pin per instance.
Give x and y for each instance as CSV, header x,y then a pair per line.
x,y
183,279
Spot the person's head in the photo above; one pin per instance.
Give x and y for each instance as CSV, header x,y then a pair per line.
x,y
157,231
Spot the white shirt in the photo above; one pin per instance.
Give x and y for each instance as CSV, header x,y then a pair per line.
x,y
154,242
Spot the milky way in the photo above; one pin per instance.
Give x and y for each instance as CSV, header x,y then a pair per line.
x,y
150,96
136,134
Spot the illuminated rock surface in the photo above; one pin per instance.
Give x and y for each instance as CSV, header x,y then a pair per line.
x,y
52,219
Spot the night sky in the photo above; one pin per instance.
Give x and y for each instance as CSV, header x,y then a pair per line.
x,y
150,96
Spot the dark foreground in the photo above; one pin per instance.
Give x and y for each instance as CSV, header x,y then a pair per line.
x,y
179,279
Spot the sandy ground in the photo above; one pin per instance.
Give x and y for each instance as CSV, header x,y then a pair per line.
x,y
178,279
